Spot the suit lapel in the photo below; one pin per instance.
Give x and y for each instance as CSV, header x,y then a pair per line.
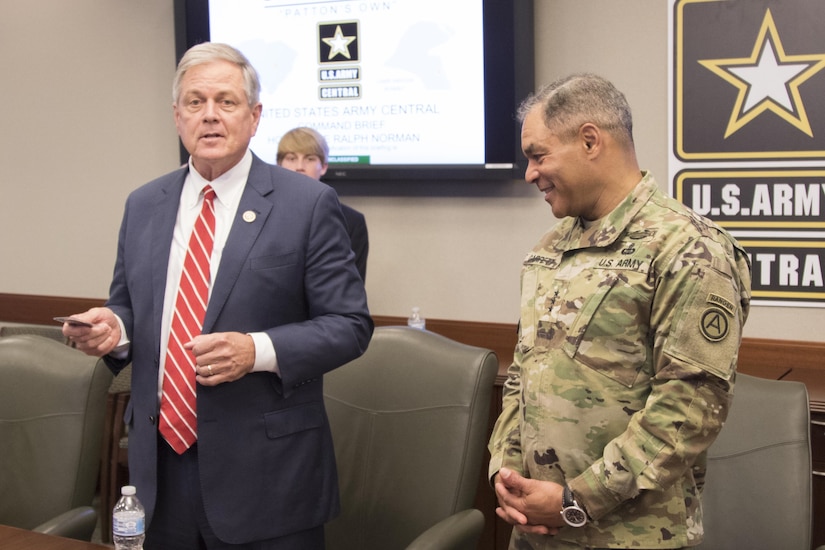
x,y
163,219
253,211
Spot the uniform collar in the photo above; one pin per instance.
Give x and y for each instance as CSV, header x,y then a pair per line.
x,y
605,231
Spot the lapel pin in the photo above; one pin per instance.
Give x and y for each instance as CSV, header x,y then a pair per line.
x,y
249,216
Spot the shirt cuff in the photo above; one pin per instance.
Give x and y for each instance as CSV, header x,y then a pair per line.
x,y
121,350
265,358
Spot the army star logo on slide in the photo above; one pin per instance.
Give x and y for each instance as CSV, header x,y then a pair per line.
x,y
339,44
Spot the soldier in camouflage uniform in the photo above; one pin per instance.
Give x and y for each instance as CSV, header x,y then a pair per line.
x,y
632,310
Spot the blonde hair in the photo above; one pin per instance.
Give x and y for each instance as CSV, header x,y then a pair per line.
x,y
305,141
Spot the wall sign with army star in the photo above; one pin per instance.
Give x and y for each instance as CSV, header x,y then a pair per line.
x,y
745,86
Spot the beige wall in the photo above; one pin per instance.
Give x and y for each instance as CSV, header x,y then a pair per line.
x,y
86,115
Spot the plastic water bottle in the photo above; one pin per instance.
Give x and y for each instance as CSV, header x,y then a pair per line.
x,y
415,319
128,521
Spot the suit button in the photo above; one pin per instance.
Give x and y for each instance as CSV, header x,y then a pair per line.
x,y
152,420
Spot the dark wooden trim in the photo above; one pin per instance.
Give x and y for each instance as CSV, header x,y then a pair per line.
x,y
39,310
785,359
499,337
791,353
777,359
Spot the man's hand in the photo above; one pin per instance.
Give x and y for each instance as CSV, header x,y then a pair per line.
x,y
99,339
532,506
222,356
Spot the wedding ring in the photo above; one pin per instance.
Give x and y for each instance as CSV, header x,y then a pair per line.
x,y
209,368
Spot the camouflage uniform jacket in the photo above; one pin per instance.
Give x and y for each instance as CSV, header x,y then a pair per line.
x,y
624,368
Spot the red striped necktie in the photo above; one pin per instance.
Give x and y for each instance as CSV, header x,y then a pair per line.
x,y
178,416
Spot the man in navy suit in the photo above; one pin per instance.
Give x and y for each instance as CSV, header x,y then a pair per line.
x,y
305,151
286,305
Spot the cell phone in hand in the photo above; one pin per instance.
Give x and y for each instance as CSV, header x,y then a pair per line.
x,y
72,321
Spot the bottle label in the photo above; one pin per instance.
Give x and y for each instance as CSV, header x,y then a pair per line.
x,y
128,525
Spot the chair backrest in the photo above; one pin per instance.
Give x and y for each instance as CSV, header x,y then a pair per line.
x,y
758,487
52,401
409,420
55,333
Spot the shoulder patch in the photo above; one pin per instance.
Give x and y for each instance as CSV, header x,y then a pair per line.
x,y
714,325
724,303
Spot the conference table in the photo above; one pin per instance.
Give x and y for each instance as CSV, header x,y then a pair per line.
x,y
13,538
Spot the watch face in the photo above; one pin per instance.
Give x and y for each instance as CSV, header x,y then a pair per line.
x,y
575,517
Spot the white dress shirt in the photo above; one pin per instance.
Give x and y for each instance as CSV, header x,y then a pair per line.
x,y
228,190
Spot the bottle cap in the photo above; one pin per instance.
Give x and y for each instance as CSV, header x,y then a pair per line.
x,y
128,490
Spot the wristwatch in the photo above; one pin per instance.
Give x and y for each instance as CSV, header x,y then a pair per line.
x,y
573,514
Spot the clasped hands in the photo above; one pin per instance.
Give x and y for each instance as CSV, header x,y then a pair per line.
x,y
220,357
530,505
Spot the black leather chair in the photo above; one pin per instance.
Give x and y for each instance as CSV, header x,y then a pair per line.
x,y
758,487
409,421
52,400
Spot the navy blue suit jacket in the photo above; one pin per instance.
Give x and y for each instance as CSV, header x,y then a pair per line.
x,y
264,447
358,236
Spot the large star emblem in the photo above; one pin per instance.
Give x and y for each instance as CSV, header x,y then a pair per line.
x,y
339,44
768,80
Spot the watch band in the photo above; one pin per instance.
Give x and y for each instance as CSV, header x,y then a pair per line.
x,y
573,514
567,499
